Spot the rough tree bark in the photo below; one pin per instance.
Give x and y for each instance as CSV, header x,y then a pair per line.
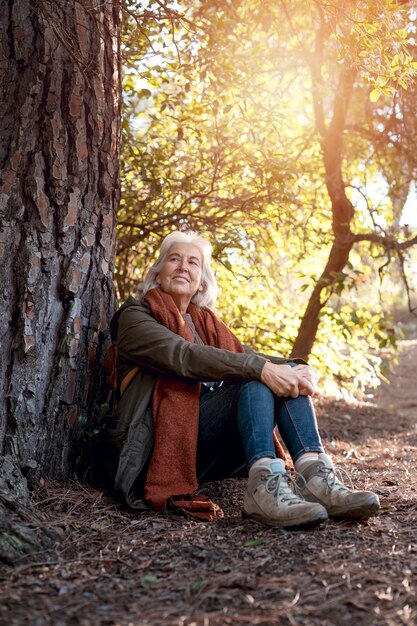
x,y
60,117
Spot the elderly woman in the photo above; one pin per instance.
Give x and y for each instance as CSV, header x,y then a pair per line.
x,y
195,405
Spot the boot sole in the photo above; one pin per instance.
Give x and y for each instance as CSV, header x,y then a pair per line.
x,y
362,513
309,523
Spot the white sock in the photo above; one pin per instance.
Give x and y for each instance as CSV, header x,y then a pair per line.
x,y
262,462
305,459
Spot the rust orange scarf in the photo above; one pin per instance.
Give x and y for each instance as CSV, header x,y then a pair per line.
x,y
171,475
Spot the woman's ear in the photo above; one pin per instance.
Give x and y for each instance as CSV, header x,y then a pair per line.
x,y
201,287
157,279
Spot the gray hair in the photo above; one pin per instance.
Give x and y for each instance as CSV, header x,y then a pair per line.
x,y
204,298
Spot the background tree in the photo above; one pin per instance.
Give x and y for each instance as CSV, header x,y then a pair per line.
x,y
60,112
390,73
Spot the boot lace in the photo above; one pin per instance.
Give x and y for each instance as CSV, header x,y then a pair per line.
x,y
278,485
334,479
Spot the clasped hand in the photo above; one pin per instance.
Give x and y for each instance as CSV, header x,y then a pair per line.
x,y
285,380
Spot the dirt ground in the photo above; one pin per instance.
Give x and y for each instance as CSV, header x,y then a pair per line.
x,y
114,568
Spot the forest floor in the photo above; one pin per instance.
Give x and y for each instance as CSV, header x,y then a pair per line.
x,y
114,568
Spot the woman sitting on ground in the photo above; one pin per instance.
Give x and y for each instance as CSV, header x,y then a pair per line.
x,y
195,405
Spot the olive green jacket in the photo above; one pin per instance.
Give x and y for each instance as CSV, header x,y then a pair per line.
x,y
143,342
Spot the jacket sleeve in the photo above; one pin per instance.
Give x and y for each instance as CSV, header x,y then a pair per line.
x,y
143,342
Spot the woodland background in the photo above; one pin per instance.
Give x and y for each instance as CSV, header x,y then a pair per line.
x,y
286,132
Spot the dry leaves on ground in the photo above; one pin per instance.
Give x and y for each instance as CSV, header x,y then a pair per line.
x,y
112,567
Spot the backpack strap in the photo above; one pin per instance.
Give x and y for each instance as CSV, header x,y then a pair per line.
x,y
115,392
126,380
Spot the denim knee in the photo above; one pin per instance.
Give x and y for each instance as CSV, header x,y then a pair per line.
x,y
255,419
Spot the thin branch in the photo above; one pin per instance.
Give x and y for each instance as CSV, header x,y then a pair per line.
x,y
387,242
405,281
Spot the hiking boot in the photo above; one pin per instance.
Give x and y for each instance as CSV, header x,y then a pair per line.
x,y
270,500
318,482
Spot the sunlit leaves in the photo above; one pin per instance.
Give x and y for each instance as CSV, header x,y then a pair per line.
x,y
354,360
379,42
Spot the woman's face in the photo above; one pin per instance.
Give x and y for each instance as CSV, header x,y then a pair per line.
x,y
180,275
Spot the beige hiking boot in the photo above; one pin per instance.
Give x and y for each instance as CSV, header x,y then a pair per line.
x,y
270,500
318,482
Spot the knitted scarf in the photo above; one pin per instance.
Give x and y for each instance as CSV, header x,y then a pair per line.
x,y
171,476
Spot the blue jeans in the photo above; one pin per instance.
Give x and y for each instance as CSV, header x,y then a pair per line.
x,y
236,423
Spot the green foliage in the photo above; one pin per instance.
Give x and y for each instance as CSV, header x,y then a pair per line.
x,y
359,354
379,43
220,135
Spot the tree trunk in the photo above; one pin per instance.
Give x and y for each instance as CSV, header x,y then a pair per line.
x,y
342,208
60,112
307,331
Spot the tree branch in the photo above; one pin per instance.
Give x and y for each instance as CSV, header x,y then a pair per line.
x,y
388,243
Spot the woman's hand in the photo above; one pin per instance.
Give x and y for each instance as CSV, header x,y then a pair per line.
x,y
285,380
